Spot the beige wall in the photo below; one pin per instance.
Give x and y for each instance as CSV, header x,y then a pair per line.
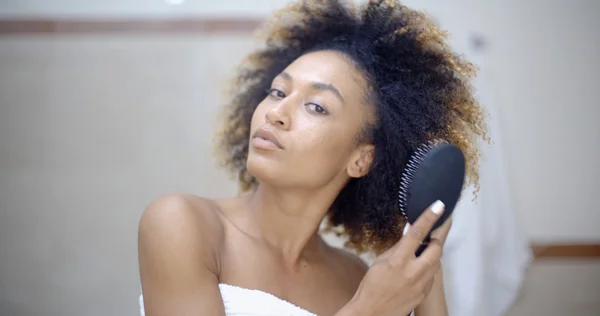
x,y
139,7
93,128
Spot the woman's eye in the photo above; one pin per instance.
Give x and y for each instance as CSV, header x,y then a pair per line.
x,y
316,108
276,93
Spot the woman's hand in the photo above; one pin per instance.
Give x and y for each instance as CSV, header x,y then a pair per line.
x,y
398,281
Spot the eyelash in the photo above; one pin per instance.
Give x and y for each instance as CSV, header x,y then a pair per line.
x,y
270,93
280,95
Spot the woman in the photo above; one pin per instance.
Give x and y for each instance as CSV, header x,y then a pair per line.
x,y
320,123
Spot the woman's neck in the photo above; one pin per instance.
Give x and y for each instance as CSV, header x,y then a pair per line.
x,y
289,220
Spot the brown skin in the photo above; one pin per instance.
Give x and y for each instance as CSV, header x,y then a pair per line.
x,y
268,239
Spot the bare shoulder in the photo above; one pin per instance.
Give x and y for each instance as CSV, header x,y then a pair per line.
x,y
352,260
182,222
179,239
175,206
353,266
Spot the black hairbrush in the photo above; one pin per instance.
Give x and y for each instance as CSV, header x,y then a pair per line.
x,y
435,171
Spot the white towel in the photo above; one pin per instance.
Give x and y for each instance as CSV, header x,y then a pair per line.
x,y
240,301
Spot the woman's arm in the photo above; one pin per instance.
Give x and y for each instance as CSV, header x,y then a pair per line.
x,y
177,246
435,302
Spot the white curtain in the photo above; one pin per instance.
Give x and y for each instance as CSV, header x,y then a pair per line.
x,y
486,255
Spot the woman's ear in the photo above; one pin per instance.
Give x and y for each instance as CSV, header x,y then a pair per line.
x,y
362,161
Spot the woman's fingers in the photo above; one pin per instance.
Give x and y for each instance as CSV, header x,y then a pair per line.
x,y
430,258
416,233
441,233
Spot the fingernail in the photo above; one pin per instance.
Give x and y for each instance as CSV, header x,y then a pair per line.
x,y
437,207
406,227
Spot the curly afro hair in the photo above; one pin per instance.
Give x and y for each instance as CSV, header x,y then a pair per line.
x,y
419,86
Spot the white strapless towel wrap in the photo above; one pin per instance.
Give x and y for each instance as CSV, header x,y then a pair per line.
x,y
240,301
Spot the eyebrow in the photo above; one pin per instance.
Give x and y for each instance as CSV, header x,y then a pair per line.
x,y
317,85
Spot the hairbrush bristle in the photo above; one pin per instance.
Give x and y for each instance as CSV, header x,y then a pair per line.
x,y
414,161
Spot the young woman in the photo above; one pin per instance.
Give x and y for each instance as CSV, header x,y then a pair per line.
x,y
320,123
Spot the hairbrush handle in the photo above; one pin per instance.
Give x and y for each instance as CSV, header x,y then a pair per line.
x,y
423,246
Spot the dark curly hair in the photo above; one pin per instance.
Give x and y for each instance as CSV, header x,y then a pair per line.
x,y
419,87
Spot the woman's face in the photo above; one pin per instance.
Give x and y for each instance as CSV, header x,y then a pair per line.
x,y
304,133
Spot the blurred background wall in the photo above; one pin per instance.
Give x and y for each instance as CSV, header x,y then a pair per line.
x,y
95,126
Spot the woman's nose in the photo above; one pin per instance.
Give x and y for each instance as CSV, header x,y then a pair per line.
x,y
279,115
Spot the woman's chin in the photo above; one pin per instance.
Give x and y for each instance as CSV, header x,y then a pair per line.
x,y
263,169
